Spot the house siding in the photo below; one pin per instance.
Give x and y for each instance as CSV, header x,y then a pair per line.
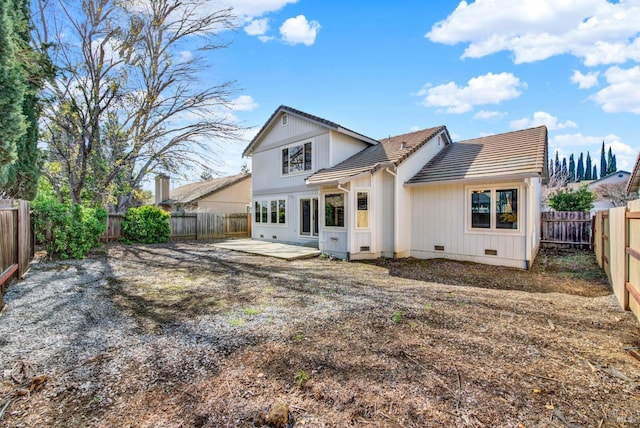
x,y
440,219
231,200
342,147
403,198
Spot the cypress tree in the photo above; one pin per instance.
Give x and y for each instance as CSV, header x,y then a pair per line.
x,y
594,174
611,163
572,168
565,171
22,176
12,88
614,164
556,169
580,169
603,162
587,168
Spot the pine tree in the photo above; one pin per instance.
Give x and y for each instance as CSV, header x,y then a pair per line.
x,y
614,164
565,171
603,162
12,88
587,168
556,169
551,171
572,169
611,163
580,169
594,174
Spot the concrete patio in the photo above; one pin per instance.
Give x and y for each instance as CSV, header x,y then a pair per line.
x,y
270,249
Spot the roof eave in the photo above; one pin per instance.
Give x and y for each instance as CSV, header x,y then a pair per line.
x,y
506,177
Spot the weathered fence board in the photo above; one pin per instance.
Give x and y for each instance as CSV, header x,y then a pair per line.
x,y
566,228
190,226
632,253
15,241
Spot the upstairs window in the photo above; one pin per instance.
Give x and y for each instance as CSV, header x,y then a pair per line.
x,y
296,159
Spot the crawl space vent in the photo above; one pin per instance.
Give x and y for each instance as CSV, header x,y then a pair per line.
x,y
490,252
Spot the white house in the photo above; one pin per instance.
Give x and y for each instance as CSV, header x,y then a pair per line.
x,y
615,181
416,194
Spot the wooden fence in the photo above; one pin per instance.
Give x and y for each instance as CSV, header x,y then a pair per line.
x,y
16,246
617,248
192,226
566,228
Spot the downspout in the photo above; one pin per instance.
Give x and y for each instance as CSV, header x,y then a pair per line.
x,y
390,172
527,189
395,213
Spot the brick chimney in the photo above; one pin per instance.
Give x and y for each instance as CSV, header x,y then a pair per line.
x,y
162,188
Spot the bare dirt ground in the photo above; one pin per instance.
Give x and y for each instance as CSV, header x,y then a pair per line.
x,y
186,335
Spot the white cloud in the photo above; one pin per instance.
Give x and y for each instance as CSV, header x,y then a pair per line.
x,y
256,8
597,31
585,81
299,30
244,103
623,92
185,56
257,27
489,115
486,89
542,118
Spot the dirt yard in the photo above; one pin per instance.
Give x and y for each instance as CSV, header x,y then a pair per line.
x,y
186,335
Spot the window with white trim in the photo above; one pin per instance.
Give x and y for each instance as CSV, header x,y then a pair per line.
x,y
362,210
493,208
334,210
271,211
296,158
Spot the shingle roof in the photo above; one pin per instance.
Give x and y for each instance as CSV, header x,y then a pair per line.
x,y
393,150
324,122
191,192
634,179
518,153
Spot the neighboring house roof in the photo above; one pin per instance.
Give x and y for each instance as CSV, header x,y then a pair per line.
x,y
616,177
320,121
519,153
634,180
192,192
391,151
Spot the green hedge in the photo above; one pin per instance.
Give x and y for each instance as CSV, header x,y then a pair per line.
x,y
67,230
146,225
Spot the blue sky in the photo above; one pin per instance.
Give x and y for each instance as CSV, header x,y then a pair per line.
x,y
479,68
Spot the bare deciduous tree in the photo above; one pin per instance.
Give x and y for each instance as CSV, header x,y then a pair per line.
x,y
127,100
614,193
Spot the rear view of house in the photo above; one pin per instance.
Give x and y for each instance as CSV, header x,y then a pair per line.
x,y
417,194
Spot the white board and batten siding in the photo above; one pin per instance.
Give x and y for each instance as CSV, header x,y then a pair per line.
x,y
441,220
403,198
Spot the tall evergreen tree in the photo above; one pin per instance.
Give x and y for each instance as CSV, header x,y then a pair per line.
x,y
614,164
556,168
22,176
587,168
551,171
611,163
572,168
603,162
12,88
580,168
594,174
565,171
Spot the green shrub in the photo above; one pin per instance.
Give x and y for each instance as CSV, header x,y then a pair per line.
x,y
567,200
67,230
146,225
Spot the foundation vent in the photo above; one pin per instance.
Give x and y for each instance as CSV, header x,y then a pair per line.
x,y
490,252
365,248
439,247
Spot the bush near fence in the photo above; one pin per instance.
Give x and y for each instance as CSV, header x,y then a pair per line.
x,y
191,226
617,248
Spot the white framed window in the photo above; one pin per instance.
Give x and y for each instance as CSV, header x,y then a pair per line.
x,y
285,119
494,208
297,158
272,211
334,210
362,210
